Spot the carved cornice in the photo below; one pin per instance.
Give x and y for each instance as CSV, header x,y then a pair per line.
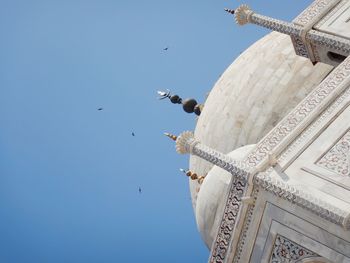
x,y
303,199
330,41
307,20
304,136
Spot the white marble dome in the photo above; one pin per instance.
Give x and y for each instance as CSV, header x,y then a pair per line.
x,y
256,91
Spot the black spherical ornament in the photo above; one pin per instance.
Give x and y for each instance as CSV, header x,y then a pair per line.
x,y
175,99
189,104
197,109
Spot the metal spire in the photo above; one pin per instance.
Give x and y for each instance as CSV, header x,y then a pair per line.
x,y
171,136
193,175
231,11
188,105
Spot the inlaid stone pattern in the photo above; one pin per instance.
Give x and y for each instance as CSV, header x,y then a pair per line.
x,y
285,250
226,230
337,158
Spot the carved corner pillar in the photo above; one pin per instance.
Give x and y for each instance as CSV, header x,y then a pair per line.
x,y
308,37
244,15
234,211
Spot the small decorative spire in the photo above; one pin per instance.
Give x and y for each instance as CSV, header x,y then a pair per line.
x,y
193,175
171,136
242,14
231,11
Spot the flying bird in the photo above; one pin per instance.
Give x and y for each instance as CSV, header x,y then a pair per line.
x,y
100,109
166,48
140,190
133,134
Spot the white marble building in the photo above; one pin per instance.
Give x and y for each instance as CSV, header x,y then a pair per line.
x,y
274,144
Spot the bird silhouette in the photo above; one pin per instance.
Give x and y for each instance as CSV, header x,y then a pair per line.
x,y
133,134
100,109
140,190
166,48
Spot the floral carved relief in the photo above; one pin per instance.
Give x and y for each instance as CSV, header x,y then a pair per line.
x,y
337,158
285,250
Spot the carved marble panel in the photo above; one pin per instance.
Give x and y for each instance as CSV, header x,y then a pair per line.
x,y
285,250
336,159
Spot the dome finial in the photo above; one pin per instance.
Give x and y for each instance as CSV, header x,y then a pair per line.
x,y
171,136
231,11
188,105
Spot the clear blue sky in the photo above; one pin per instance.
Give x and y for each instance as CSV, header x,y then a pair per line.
x,y
69,174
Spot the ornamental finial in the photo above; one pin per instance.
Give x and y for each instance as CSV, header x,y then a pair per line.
x,y
193,175
231,11
184,142
188,105
242,14
171,136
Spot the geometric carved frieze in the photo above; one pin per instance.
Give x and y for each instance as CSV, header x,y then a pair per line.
x,y
226,229
337,157
315,10
247,222
299,46
285,250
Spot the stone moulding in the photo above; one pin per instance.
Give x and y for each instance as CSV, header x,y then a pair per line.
x,y
299,197
304,113
226,231
283,159
247,220
315,11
